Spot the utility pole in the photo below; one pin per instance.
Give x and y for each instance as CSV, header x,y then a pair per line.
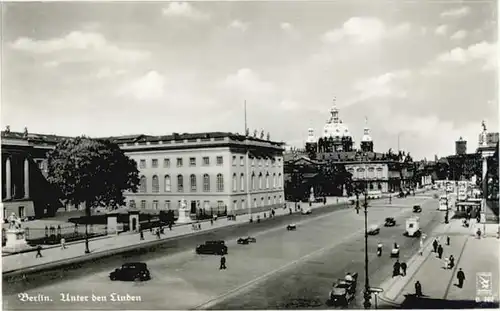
x,y
367,296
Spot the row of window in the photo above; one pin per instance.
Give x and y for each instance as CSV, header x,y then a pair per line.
x,y
196,204
370,173
275,182
206,162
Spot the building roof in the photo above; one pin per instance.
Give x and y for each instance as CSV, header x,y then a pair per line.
x,y
54,139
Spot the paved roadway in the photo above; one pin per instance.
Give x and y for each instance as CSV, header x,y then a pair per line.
x,y
282,270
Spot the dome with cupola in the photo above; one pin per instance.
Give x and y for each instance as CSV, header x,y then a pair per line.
x,y
334,126
366,133
310,136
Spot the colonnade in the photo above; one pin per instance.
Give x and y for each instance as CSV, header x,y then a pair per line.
x,y
8,179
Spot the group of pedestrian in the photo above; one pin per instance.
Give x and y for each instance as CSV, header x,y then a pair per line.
x,y
449,264
399,268
196,226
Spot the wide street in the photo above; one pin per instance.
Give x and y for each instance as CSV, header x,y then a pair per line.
x,y
282,270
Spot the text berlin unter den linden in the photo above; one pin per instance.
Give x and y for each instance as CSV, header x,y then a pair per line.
x,y
66,297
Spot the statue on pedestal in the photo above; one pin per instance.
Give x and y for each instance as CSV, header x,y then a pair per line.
x,y
262,134
15,236
14,222
484,135
311,195
183,213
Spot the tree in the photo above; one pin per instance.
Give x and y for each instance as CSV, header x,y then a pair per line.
x,y
92,171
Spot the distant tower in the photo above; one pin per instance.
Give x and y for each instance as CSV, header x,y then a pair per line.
x,y
460,147
366,141
311,144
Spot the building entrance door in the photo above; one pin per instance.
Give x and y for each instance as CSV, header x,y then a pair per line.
x,y
193,207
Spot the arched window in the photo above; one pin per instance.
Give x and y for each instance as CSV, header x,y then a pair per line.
x,y
220,183
267,180
253,181
143,186
371,172
180,183
206,183
274,180
280,182
192,182
235,183
156,184
260,181
379,172
242,182
168,183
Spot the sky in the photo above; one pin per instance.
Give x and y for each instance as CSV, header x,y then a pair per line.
x,y
423,71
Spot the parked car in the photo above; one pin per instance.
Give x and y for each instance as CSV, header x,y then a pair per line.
x,y
212,248
343,291
291,227
247,240
130,272
390,222
373,230
417,209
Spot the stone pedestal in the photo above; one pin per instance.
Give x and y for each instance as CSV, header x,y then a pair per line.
x,y
184,216
112,224
15,241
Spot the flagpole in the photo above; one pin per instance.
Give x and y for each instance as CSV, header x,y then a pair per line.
x,y
247,164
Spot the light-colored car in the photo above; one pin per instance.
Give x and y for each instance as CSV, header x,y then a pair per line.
x,y
374,229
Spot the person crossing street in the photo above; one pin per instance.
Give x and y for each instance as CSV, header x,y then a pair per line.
x,y
222,263
460,278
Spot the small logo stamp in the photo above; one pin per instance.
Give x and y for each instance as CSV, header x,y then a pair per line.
x,y
484,284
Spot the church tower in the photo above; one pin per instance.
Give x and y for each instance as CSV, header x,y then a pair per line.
x,y
366,141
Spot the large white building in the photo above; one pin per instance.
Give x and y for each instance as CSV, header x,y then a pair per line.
x,y
211,171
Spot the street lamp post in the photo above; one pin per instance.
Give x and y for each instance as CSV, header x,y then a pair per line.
x,y
367,304
87,213
446,220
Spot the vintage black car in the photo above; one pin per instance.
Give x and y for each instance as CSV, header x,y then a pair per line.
x,y
343,291
131,271
390,222
395,252
373,230
417,209
246,240
291,227
212,248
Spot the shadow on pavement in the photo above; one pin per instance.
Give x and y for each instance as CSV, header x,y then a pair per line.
x,y
413,302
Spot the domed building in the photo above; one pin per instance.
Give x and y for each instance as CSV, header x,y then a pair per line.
x,y
378,172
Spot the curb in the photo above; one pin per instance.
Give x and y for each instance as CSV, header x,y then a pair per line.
x,y
116,251
412,260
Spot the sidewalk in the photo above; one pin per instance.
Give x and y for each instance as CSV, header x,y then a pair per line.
x,y
75,250
471,254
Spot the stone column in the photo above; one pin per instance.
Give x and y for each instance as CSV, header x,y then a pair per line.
x,y
26,178
8,180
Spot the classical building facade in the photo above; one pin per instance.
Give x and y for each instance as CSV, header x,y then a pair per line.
x,y
221,171
208,170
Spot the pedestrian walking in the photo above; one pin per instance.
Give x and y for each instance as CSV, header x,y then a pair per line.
x,y
170,226
421,250
212,221
199,226
461,278
435,245
447,240
418,289
440,251
290,210
141,233
446,263
396,268
273,212
158,233
222,263
451,263
38,251
478,232
63,243
403,268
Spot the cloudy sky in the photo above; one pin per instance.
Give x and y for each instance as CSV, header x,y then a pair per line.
x,y
425,71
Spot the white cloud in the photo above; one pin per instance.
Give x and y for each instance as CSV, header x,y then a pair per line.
x,y
380,86
430,71
247,81
423,30
107,72
82,46
484,51
151,86
286,26
364,30
289,105
459,35
458,12
239,25
184,9
51,64
441,30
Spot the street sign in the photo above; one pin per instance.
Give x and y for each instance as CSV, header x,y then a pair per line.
x,y
376,290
